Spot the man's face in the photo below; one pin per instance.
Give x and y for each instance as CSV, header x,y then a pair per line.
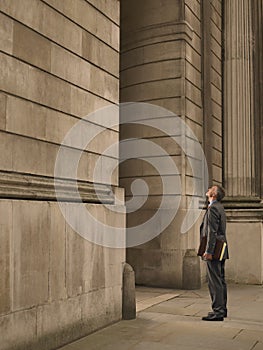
x,y
211,192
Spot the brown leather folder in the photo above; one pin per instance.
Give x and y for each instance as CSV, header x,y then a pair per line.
x,y
219,248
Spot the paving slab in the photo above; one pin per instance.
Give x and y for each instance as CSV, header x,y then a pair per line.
x,y
171,319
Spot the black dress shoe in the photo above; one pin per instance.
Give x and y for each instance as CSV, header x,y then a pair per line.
x,y
213,317
212,313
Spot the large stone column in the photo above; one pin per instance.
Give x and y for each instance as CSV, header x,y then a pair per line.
x,y
243,151
161,65
239,106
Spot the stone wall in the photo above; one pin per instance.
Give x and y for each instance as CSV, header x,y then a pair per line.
x,y
57,66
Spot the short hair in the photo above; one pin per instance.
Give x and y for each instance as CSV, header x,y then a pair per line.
x,y
220,193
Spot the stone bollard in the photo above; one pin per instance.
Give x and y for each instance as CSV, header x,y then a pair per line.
x,y
191,270
128,293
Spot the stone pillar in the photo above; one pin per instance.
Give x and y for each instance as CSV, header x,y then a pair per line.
x,y
161,65
238,98
128,293
243,140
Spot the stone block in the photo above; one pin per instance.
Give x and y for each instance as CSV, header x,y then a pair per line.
x,y
86,261
88,18
77,251
116,256
6,34
6,155
191,18
216,47
191,270
102,232
36,163
59,323
3,102
152,71
31,47
47,21
93,307
70,67
192,74
193,93
84,103
100,54
33,84
152,90
216,33
5,259
30,253
192,56
25,118
216,63
216,18
166,275
195,6
217,174
194,125
152,53
101,307
109,8
57,272
245,245
18,330
149,13
216,95
113,275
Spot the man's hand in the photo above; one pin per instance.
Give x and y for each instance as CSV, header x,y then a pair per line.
x,y
207,256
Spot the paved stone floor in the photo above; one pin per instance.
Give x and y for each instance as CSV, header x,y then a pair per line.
x,y
171,319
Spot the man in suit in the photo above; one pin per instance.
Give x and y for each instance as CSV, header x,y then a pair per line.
x,y
214,226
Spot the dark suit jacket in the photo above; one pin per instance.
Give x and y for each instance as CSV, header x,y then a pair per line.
x,y
214,226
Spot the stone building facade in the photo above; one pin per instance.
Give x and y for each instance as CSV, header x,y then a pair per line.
x,y
64,59
59,63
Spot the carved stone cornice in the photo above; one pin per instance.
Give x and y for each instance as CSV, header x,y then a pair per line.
x,y
34,187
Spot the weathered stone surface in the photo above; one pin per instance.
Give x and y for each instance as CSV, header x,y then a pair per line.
x,y
25,118
110,8
83,74
3,102
30,253
18,330
6,33
57,269
59,322
101,307
88,18
47,21
102,55
149,13
5,256
31,47
151,90
245,239
151,72
156,52
6,155
191,270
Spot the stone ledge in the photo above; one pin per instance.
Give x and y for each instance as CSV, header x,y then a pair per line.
x,y
242,203
27,186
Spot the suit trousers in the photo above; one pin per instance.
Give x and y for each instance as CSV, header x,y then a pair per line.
x,y
217,286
